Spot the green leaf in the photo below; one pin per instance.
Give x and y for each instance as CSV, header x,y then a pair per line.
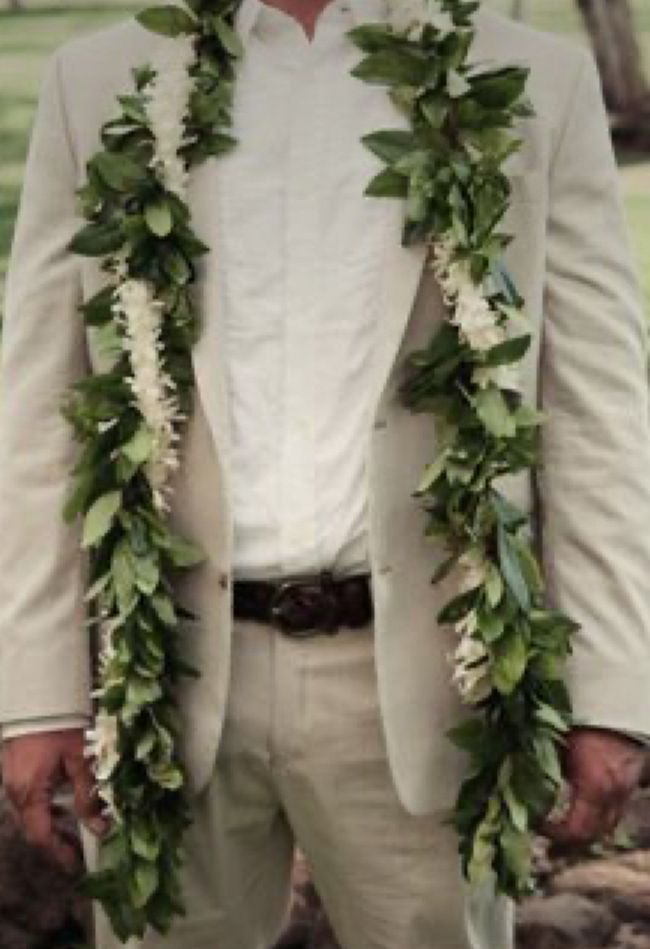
x,y
176,266
82,487
457,608
97,309
484,844
492,626
123,578
510,656
147,574
166,775
390,66
529,566
511,569
470,735
145,882
444,568
493,586
512,350
516,847
506,513
182,553
493,411
431,473
139,446
164,609
390,144
99,519
504,283
169,20
550,716
143,747
118,171
371,37
498,90
435,108
387,184
145,843
230,40
547,756
97,240
159,218
528,417
96,588
518,812
108,344
141,692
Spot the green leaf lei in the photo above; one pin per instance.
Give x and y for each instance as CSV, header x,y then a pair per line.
x,y
448,169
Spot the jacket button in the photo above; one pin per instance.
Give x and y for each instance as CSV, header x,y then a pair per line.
x,y
381,423
224,581
383,570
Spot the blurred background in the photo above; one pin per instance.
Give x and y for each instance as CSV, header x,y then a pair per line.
x,y
598,899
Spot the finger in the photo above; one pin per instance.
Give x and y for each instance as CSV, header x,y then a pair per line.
x,y
87,804
613,816
583,822
38,826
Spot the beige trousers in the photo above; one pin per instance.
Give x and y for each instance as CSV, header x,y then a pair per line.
x,y
303,761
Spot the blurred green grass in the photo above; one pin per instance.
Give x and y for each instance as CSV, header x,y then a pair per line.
x,y
27,38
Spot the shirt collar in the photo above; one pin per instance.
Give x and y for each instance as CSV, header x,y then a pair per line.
x,y
361,11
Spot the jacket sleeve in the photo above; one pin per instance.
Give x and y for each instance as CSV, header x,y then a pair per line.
x,y
595,480
44,652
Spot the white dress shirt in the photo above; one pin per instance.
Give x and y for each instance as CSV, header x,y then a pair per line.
x,y
301,247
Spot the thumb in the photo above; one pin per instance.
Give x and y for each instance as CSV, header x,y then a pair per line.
x,y
583,822
87,804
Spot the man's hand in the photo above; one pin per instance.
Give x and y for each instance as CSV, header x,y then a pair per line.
x,y
602,769
33,767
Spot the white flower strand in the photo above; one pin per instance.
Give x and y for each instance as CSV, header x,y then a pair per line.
x,y
166,105
102,747
479,327
471,663
154,390
136,308
470,311
470,660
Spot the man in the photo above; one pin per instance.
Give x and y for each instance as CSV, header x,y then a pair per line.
x,y
300,458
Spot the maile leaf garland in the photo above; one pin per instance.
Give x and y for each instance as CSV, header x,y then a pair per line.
x,y
129,418
509,658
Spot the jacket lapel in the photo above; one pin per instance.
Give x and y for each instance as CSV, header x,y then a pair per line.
x,y
209,357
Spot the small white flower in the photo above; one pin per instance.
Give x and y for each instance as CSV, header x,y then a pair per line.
x,y
471,667
409,15
472,567
471,674
504,377
467,626
102,747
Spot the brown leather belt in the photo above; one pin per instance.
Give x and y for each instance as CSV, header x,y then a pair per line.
x,y
305,606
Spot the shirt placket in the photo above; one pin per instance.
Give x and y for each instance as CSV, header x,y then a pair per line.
x,y
299,534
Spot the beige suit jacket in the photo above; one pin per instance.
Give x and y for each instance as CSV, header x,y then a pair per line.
x,y
587,369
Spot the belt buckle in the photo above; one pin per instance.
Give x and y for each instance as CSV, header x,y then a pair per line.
x,y
280,618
